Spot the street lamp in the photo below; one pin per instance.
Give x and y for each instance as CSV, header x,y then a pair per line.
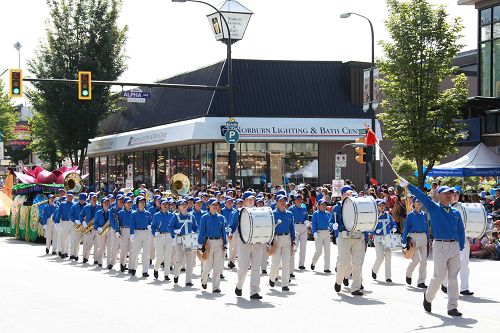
x,y
18,46
235,18
370,108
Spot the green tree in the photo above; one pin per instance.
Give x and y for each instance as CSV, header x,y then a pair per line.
x,y
41,140
82,35
417,114
8,115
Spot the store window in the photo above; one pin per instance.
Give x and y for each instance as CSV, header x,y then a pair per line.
x,y
138,169
252,163
180,160
120,171
160,168
103,174
221,162
206,163
149,168
195,175
489,46
492,123
96,177
111,172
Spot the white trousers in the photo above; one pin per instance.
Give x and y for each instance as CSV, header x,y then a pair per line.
x,y
64,232
419,257
88,242
446,257
76,239
105,244
281,257
233,247
382,255
163,247
249,255
50,235
464,267
125,245
322,242
215,262
301,240
142,241
264,257
351,252
184,257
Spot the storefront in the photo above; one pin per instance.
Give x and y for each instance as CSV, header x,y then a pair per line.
x,y
293,118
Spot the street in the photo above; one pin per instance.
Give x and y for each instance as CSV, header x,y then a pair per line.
x,y
44,293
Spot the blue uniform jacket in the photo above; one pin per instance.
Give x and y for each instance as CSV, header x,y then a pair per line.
x,y
213,226
320,221
47,212
153,210
161,221
386,222
198,214
286,226
88,213
300,214
415,222
140,220
62,212
177,222
446,222
114,218
235,218
124,216
101,217
74,212
226,212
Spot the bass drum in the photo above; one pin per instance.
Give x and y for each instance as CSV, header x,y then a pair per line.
x,y
256,225
474,217
359,214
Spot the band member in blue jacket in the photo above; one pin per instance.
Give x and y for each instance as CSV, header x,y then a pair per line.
x,y
64,224
87,216
162,239
300,219
212,238
46,219
417,228
183,223
320,225
115,225
285,238
124,218
140,235
104,242
74,216
385,226
449,239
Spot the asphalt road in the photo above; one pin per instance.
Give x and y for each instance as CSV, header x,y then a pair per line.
x,y
44,293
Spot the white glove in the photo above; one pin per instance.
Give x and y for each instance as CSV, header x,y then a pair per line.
x,y
335,226
393,230
84,224
157,234
132,237
177,231
403,182
403,245
99,229
315,235
149,227
44,227
117,234
378,231
200,246
78,222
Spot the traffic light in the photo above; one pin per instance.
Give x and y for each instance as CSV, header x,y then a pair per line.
x,y
361,158
85,85
16,83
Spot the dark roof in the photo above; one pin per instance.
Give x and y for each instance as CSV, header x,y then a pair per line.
x,y
262,88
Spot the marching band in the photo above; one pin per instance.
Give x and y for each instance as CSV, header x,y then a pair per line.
x,y
175,233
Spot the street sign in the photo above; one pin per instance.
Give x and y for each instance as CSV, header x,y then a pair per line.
x,y
338,173
341,160
337,184
232,136
231,123
136,95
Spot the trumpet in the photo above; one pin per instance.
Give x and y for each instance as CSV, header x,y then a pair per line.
x,y
105,230
89,227
78,227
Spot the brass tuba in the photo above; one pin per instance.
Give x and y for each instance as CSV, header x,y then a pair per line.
x,y
180,184
73,182
105,229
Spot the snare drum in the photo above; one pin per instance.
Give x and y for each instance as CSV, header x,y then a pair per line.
x,y
474,217
256,225
391,241
359,214
189,242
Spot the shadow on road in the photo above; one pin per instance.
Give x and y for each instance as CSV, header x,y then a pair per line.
x,y
449,322
282,294
208,295
383,283
243,303
358,300
478,300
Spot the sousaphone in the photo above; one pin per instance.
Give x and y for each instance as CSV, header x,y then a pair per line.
x,y
73,182
180,184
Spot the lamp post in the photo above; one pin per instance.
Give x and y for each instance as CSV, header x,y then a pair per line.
x,y
18,46
370,108
238,17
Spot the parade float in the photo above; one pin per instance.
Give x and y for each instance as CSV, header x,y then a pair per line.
x,y
30,196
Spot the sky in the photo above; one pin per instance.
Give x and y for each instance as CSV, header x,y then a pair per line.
x,y
166,38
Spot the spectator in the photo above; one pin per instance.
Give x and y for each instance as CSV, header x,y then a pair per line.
x,y
496,204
